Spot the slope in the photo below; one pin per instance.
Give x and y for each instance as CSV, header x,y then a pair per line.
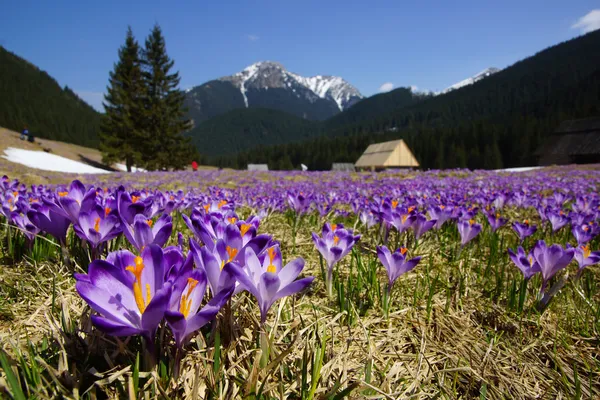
x,y
31,98
498,121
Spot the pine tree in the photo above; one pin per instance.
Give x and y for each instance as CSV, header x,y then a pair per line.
x,y
167,147
121,130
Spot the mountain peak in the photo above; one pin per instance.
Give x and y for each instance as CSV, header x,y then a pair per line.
x,y
475,78
265,75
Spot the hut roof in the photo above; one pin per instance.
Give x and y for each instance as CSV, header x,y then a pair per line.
x,y
258,167
387,154
573,138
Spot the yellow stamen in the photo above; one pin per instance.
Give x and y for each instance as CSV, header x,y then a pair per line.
x,y
271,253
206,207
394,203
222,264
411,209
403,250
62,194
586,251
186,302
232,253
232,220
336,240
497,215
244,228
271,268
221,203
137,284
333,227
97,224
471,221
530,260
149,222
107,211
134,199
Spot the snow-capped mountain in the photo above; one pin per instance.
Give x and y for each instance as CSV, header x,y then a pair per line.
x,y
268,84
469,81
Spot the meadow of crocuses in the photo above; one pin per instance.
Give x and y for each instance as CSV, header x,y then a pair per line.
x,y
301,285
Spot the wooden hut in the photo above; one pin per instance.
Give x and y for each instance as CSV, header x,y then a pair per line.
x,y
380,156
258,167
574,142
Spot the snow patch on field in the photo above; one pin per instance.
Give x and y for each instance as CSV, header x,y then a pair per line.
x,y
49,162
519,169
123,167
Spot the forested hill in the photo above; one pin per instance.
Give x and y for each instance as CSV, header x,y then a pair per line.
x,y
31,98
497,122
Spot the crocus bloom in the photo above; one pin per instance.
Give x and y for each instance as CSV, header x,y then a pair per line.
x,y
215,263
70,202
96,226
551,259
127,291
270,284
395,263
422,225
557,219
298,202
145,231
582,233
468,230
49,221
524,262
495,220
441,214
524,230
585,257
402,221
187,293
22,222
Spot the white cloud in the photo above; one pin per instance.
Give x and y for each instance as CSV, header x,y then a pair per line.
x,y
414,88
252,37
589,22
386,87
94,99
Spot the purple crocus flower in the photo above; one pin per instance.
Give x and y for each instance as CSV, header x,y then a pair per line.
x,y
27,227
70,202
495,220
49,221
182,313
551,259
524,230
441,214
582,233
334,245
215,263
298,202
468,230
395,263
127,291
421,225
145,231
585,257
524,262
96,226
402,221
269,284
557,219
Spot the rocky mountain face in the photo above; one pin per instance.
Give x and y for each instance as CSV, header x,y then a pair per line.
x,y
268,84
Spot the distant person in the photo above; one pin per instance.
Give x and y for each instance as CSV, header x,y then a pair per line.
x,y
24,134
194,165
30,137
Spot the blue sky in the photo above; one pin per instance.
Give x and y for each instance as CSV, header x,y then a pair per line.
x,y
427,44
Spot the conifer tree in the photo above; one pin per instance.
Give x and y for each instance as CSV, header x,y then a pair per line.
x,y
166,146
121,135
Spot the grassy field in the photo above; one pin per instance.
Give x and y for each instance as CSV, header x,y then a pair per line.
x,y
462,324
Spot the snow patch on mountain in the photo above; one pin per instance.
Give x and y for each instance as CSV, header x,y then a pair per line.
x,y
469,81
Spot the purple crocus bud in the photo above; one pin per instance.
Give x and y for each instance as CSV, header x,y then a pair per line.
x,y
367,218
495,220
422,225
551,259
96,226
524,230
27,227
270,284
182,313
395,263
582,233
129,206
468,230
298,202
524,262
145,231
557,219
213,262
585,257
49,221
127,291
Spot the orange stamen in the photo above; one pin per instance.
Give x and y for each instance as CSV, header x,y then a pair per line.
x,y
244,228
63,194
394,203
134,199
232,220
336,240
149,222
206,207
221,204
471,221
97,224
403,250
232,253
586,251
107,211
137,284
186,302
333,227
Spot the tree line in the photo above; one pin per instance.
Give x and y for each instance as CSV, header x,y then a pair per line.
x,y
144,121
